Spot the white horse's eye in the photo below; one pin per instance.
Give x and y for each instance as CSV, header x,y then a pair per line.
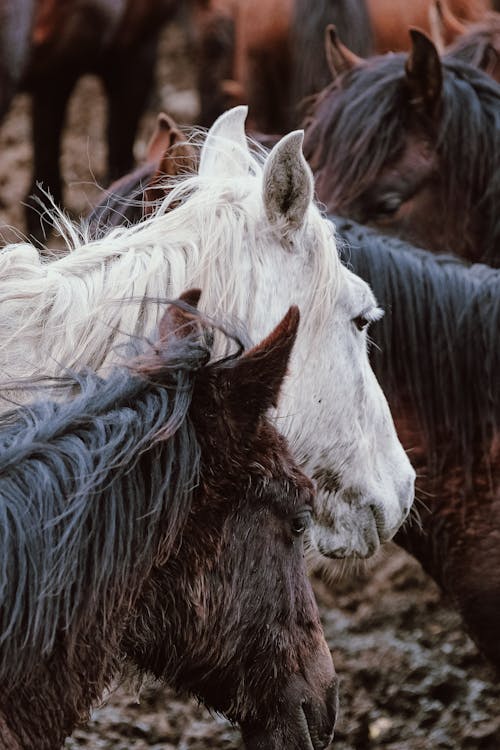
x,y
361,322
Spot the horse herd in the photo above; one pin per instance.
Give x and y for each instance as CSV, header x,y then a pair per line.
x,y
153,519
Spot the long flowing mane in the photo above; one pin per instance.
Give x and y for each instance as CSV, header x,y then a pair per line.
x,y
85,486
364,113
438,344
67,311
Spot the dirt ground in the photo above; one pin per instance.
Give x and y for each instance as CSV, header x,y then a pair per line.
x,y
410,678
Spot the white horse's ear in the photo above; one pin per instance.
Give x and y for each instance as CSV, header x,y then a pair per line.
x,y
288,182
225,150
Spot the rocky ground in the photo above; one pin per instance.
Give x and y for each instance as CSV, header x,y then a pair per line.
x,y
410,678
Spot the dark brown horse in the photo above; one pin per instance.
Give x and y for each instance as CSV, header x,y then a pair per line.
x,y
437,355
116,40
410,144
212,26
158,516
390,19
16,22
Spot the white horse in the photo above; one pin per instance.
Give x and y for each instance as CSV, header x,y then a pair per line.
x,y
246,231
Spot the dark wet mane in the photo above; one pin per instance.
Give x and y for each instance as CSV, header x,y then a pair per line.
x,y
439,342
359,123
85,487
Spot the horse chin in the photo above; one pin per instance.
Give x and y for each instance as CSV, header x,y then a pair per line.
x,y
350,545
300,734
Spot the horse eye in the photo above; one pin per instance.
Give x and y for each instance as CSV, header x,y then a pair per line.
x,y
301,522
388,205
361,322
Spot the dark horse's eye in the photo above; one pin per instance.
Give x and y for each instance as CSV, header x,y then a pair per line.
x,y
301,522
361,322
388,205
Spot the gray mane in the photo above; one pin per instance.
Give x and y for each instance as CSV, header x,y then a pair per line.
x,y
85,486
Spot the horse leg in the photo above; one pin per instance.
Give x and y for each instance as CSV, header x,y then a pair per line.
x,y
50,99
128,81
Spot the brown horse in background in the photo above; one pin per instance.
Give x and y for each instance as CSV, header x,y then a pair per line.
x,y
477,44
212,30
116,40
410,144
391,19
437,355
269,53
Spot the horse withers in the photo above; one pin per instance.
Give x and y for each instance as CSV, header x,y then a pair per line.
x,y
243,227
157,515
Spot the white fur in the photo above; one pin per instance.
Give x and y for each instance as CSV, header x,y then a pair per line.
x,y
219,237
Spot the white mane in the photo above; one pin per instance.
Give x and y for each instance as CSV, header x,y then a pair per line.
x,y
246,231
70,312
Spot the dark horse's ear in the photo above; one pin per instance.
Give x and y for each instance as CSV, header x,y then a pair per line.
x,y
339,57
424,75
253,383
172,155
180,321
488,59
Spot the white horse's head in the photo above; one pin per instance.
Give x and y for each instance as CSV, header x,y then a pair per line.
x,y
246,231
332,408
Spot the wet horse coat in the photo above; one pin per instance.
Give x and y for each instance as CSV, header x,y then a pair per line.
x,y
144,502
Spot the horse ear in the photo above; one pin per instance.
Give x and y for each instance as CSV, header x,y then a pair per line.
x,y
424,75
488,60
338,56
180,321
254,382
445,27
172,154
165,135
287,182
225,149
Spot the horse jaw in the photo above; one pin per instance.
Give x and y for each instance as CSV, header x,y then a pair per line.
x,y
225,150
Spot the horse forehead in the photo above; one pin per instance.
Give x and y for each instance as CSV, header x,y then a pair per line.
x,y
356,292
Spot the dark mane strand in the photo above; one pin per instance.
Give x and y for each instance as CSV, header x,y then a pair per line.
x,y
438,342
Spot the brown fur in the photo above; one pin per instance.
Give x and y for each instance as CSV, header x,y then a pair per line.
x,y
225,610
456,516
